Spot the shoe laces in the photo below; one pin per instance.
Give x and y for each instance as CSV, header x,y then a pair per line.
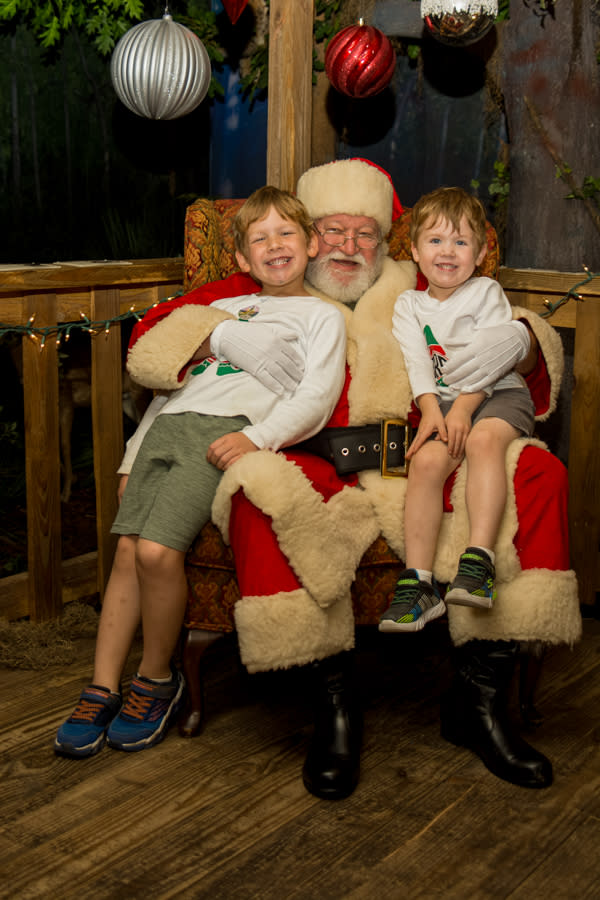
x,y
406,592
143,706
86,710
473,567
410,592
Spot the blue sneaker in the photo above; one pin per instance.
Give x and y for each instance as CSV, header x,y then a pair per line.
x,y
147,713
415,603
474,582
84,732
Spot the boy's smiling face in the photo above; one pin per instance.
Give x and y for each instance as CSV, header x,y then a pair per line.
x,y
276,254
447,257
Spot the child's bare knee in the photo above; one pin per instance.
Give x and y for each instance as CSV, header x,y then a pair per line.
x,y
430,461
153,557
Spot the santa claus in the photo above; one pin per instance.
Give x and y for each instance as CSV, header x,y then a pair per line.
x,y
298,529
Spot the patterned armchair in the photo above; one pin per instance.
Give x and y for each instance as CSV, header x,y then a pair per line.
x,y
210,569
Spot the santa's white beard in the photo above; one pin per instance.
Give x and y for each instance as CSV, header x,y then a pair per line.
x,y
364,275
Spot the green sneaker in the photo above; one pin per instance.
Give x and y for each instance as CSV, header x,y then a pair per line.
x,y
415,603
474,582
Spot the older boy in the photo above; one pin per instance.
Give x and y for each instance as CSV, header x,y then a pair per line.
x,y
183,444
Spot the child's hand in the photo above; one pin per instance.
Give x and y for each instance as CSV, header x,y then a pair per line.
x,y
122,485
458,425
223,452
431,421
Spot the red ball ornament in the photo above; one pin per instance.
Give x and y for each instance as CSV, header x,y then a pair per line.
x,y
360,61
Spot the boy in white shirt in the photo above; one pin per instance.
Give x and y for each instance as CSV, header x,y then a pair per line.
x,y
177,456
448,241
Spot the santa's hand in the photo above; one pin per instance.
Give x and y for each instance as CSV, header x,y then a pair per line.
x,y
260,350
492,353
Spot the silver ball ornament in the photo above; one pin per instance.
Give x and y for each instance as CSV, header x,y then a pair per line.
x,y
160,69
458,22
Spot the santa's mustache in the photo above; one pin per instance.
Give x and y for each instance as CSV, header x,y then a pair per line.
x,y
338,256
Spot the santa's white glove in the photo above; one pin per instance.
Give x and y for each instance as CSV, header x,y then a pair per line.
x,y
492,353
263,351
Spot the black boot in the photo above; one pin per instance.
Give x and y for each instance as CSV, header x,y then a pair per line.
x,y
332,765
474,714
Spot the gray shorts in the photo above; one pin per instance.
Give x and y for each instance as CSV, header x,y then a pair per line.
x,y
172,485
512,405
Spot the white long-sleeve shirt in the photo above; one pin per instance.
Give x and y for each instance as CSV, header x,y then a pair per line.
x,y
430,330
217,388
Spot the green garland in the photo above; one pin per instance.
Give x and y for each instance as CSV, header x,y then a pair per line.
x,y
94,327
63,330
571,293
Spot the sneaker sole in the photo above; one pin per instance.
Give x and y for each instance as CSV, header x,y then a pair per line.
x,y
80,752
461,597
388,625
157,736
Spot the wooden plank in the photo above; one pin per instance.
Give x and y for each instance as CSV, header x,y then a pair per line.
x,y
290,91
532,287
584,458
70,303
563,317
79,579
107,424
109,272
42,465
427,819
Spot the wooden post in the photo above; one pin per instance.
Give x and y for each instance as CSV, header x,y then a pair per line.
x,y
42,467
290,91
584,459
324,137
107,423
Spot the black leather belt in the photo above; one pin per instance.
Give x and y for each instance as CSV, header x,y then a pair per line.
x,y
355,448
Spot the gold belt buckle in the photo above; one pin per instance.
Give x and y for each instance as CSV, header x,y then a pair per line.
x,y
394,471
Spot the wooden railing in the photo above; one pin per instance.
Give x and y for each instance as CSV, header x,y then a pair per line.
x,y
55,294
62,292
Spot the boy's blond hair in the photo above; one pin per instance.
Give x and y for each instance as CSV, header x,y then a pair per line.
x,y
257,207
451,204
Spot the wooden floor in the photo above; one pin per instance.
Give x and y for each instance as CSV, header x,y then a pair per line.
x,y
225,815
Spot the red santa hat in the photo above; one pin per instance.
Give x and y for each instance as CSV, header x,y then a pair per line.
x,y
356,187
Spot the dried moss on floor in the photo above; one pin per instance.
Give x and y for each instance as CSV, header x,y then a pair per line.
x,y
33,645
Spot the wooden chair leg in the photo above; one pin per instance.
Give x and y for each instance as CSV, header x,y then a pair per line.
x,y
531,660
195,645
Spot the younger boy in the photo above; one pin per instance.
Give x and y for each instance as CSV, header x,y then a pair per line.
x,y
448,241
183,445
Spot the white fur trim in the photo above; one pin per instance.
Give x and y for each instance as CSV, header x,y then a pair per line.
x,y
289,629
324,542
537,605
159,355
359,188
380,388
552,349
388,498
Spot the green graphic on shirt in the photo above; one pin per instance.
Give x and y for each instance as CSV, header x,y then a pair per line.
x,y
227,368
198,370
437,354
224,367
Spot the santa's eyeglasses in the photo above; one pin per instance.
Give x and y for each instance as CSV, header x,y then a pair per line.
x,y
335,237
